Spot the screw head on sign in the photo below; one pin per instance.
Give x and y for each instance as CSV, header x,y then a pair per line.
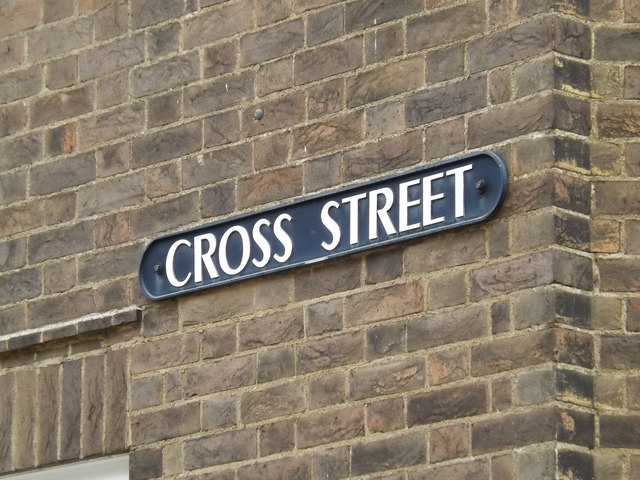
x,y
481,185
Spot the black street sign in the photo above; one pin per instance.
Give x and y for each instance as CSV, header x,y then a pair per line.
x,y
423,201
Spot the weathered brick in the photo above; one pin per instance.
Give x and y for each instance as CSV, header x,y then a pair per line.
x,y
115,124
446,404
230,19
163,216
112,229
221,375
325,61
335,351
218,94
386,339
173,72
61,242
218,305
446,290
164,41
221,129
530,349
275,364
325,98
272,402
442,251
272,150
169,422
71,390
219,449
162,180
617,44
446,26
21,285
271,329
46,433
146,392
326,279
116,384
443,102
293,467
384,303
330,426
274,42
618,119
218,165
220,412
68,172
388,454
13,187
110,195
13,254
619,353
167,144
20,84
109,264
220,58
21,151
327,390
19,16
12,52
325,25
284,112
449,442
21,218
448,366
113,90
329,135
617,274
13,118
162,353
103,60
274,291
376,380
57,10
471,470
60,38
143,14
112,20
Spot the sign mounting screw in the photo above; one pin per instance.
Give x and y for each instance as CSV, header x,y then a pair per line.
x,y
158,268
481,185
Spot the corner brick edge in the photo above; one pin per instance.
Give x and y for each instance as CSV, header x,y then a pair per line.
x,y
86,324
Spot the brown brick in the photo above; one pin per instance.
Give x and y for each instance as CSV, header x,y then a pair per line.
x,y
111,57
443,251
446,26
331,426
221,129
113,90
377,84
13,118
217,305
388,454
619,353
331,463
46,433
325,98
470,470
325,25
325,61
530,349
163,353
173,72
271,151
386,339
163,216
327,390
617,274
112,229
449,442
218,94
7,382
60,38
445,138
20,218
617,44
270,186
146,392
220,58
92,398
162,180
61,140
446,290
167,423
272,402
71,391
274,42
61,242
329,135
271,329
116,386
109,264
51,310
276,363
115,124
143,16
24,418
69,172
284,112
167,144
366,13
384,119
13,254
219,449
274,76
21,151
220,375
219,413
294,468
12,52
19,16
384,43
110,195
229,19
13,187
322,172
326,279
448,366
446,404
335,351
384,303
163,41
218,165
112,20
323,317
60,276
445,64
373,381
618,119
20,84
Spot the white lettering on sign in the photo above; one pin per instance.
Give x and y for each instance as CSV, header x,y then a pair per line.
x,y
380,201
207,252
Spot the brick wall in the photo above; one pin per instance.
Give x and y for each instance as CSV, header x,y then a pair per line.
x,y
507,350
